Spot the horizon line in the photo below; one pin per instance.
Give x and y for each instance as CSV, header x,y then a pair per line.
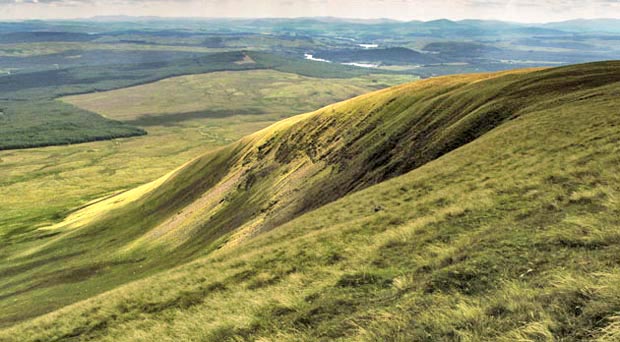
x,y
94,18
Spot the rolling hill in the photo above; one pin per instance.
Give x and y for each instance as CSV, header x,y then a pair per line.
x,y
462,208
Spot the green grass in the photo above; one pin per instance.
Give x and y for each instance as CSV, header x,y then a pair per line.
x,y
221,94
41,186
493,217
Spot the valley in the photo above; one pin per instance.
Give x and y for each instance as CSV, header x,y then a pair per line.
x,y
309,179
304,223
86,171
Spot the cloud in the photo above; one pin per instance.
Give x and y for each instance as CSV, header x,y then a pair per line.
x,y
515,10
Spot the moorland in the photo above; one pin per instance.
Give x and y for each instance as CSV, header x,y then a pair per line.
x,y
155,172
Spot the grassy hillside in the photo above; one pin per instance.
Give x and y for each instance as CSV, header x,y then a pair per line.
x,y
42,185
506,229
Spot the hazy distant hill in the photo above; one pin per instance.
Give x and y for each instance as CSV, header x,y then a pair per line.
x,y
588,25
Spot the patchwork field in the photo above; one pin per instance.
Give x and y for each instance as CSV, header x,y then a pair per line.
x,y
226,93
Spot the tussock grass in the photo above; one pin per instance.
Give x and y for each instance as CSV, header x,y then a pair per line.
x,y
42,191
510,235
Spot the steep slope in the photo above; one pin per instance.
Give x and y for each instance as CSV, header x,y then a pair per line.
x,y
514,236
270,178
307,161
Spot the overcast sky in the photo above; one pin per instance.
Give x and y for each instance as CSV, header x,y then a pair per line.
x,y
516,10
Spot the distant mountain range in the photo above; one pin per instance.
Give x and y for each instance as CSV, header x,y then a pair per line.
x,y
300,24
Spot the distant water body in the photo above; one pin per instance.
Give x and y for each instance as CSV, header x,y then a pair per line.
x,y
310,57
363,65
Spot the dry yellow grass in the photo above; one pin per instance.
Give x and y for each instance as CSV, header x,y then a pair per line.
x,y
507,231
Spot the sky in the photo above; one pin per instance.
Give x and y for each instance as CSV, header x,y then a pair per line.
x,y
512,10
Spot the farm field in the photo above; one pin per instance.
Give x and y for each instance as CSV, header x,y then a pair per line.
x,y
224,93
